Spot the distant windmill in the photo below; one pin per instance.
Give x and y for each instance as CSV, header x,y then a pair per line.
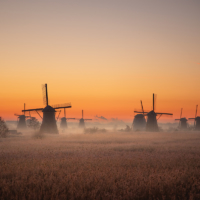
x,y
82,121
63,123
22,120
48,120
183,121
139,121
196,120
152,124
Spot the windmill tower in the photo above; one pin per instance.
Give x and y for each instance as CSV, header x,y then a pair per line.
x,y
139,121
152,124
63,123
22,120
82,121
48,120
183,121
196,120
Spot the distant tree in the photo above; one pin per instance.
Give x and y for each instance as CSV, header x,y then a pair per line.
x,y
3,128
33,123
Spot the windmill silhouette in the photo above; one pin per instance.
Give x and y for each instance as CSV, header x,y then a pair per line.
x,y
196,120
22,120
82,121
63,123
139,121
152,124
183,121
48,119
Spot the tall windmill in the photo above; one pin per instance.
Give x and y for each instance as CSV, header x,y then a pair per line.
x,y
22,120
196,120
183,121
48,119
63,123
139,121
82,121
152,124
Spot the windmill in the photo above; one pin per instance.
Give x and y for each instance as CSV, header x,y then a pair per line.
x,y
139,121
48,119
152,124
22,120
82,121
183,121
63,123
196,120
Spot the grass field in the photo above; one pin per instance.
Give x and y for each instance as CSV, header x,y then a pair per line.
x,y
101,166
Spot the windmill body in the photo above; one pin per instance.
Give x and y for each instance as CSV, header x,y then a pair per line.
x,y
183,121
22,122
63,123
196,120
139,121
82,121
197,124
152,124
48,121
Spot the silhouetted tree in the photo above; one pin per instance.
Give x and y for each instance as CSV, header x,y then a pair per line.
x,y
3,128
33,123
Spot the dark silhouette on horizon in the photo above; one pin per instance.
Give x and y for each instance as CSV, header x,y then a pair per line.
x,y
152,124
48,120
139,121
63,123
183,121
196,120
82,121
22,120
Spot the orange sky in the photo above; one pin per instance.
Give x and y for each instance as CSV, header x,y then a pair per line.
x,y
103,57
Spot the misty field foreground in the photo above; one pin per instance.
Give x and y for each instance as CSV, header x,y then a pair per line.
x,y
101,166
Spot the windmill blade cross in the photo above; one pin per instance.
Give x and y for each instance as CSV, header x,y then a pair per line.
x,y
164,113
58,115
59,106
24,108
153,101
140,112
181,112
196,111
142,107
45,94
33,109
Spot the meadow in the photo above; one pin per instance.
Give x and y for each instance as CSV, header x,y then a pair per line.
x,y
109,165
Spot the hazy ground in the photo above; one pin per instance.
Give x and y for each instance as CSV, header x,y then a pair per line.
x,y
112,165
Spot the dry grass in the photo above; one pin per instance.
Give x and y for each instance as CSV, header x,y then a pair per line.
x,y
101,166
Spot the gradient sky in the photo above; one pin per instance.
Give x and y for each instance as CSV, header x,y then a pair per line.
x,y
102,56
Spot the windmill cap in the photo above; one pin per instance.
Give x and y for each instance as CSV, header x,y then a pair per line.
x,y
21,116
48,109
197,118
139,116
183,119
151,113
